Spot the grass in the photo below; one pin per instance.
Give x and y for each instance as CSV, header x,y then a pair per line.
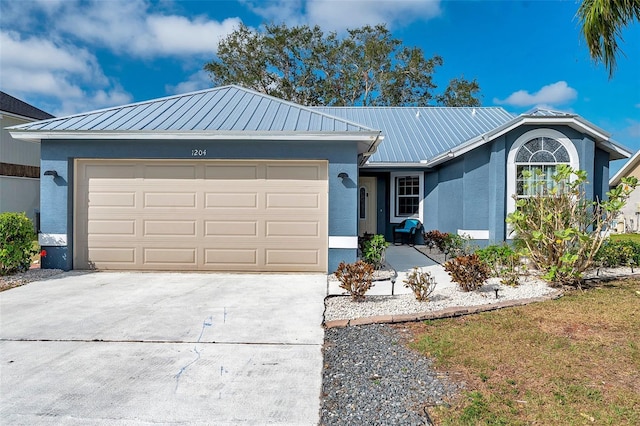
x,y
575,360
625,237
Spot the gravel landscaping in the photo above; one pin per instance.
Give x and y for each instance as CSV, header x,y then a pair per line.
x,y
22,278
372,378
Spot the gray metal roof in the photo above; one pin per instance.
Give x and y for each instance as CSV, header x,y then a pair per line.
x,y
228,108
414,134
541,112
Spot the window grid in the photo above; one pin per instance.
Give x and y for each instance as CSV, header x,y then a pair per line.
x,y
540,157
408,196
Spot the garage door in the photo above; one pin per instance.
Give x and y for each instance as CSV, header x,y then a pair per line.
x,y
201,215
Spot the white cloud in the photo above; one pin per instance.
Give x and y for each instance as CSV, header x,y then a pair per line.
x,y
177,35
41,67
339,15
49,47
551,95
131,27
197,81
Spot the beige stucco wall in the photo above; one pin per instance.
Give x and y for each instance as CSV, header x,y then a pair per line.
x,y
17,151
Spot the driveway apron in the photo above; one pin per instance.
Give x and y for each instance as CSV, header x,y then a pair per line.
x,y
142,348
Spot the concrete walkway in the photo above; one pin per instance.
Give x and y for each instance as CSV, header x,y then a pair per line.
x,y
402,259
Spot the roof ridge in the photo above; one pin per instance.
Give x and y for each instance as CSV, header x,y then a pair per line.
x,y
212,89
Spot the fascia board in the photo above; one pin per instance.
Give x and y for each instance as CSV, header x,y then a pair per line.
x,y
367,136
416,166
575,122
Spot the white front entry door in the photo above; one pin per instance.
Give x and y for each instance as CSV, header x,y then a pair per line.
x,y
367,200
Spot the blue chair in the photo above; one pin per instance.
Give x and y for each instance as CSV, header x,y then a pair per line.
x,y
407,230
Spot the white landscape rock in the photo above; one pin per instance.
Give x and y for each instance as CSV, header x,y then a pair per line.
x,y
447,296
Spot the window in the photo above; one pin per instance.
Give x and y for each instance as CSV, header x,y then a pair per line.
x,y
362,203
538,151
406,196
540,157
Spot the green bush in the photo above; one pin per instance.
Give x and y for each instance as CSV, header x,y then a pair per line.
x,y
503,263
16,243
561,227
468,271
355,278
373,250
619,253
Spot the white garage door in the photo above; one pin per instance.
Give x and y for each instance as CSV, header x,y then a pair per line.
x,y
201,215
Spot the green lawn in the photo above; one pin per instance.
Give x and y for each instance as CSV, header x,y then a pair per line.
x,y
629,237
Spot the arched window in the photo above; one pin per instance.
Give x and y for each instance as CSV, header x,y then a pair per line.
x,y
540,157
538,151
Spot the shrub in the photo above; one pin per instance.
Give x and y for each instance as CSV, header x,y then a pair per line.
x,y
373,250
562,229
503,262
468,271
435,239
618,253
355,278
16,242
421,283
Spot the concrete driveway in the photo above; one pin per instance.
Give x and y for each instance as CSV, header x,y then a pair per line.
x,y
141,348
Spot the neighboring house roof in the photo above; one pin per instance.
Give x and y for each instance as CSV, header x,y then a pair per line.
x,y
626,170
15,106
418,134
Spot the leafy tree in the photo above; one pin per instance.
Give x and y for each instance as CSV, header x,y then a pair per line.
x,y
302,64
602,23
460,92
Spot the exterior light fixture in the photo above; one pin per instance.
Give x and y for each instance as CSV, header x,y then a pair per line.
x,y
52,173
343,175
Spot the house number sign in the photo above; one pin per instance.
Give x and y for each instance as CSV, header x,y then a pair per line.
x,y
198,152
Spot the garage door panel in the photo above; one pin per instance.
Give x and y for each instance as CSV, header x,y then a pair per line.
x,y
112,227
231,172
169,199
169,255
120,255
169,172
291,229
293,172
229,217
291,257
292,201
230,228
224,200
231,257
112,199
109,171
175,228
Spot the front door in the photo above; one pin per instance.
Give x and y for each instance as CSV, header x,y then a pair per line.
x,y
367,223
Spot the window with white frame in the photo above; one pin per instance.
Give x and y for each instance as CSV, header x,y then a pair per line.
x,y
406,196
536,163
539,152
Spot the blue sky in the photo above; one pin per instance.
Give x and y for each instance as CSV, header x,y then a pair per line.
x,y
68,56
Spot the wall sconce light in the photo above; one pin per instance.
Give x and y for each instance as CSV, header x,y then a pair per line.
x,y
343,175
52,173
